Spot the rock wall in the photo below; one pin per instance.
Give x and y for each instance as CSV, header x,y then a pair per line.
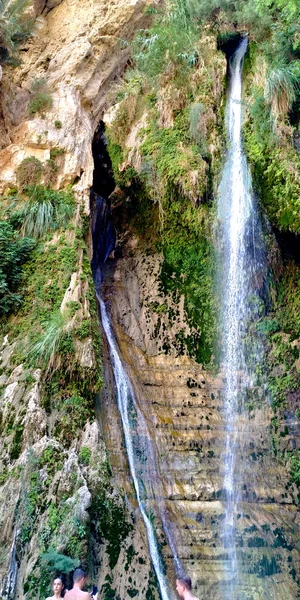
x,y
68,486
183,407
55,476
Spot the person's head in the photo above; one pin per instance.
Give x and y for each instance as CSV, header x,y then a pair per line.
x,y
79,578
183,584
58,586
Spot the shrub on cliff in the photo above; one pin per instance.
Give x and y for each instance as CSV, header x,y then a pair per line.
x,y
14,252
15,27
42,211
29,172
41,99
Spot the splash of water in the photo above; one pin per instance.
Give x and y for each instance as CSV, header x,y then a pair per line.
x,y
242,264
141,457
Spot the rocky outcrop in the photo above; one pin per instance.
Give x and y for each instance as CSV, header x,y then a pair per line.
x,y
79,48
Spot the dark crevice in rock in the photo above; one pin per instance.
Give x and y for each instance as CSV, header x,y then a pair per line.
x,y
103,229
289,244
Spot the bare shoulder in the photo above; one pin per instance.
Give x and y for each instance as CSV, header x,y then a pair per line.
x,y
85,596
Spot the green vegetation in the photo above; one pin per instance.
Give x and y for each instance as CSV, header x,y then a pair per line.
x,y
41,99
109,517
41,210
188,270
29,172
58,124
15,27
75,412
177,84
85,455
14,252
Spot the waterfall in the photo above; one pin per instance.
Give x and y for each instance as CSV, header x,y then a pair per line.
x,y
242,271
140,455
8,591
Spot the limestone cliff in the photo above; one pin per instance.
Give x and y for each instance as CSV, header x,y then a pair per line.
x,y
65,482
57,489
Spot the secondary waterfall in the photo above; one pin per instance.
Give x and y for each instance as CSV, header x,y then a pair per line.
x,y
140,456
242,274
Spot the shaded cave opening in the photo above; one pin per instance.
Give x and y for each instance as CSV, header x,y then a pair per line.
x,y
103,228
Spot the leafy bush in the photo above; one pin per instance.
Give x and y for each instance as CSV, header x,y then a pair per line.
x,y
75,412
14,252
41,102
171,40
15,27
41,99
29,172
50,172
288,301
85,455
59,563
44,210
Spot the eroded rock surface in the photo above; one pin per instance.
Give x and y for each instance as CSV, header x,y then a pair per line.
x,y
183,406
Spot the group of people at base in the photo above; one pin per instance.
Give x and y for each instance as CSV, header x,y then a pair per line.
x,y
183,588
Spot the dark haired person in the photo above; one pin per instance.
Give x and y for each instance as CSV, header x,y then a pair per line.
x,y
58,589
184,587
76,593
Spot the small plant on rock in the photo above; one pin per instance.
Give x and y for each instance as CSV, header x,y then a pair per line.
x,y
29,172
41,99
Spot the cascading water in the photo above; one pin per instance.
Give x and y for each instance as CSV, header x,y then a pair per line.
x,y
242,274
8,591
140,455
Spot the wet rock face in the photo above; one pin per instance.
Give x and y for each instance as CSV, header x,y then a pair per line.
x,y
183,406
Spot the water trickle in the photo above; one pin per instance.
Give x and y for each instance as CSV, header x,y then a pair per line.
x,y
141,457
8,591
242,264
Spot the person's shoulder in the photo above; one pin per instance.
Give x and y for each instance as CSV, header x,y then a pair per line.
x,y
85,595
49,598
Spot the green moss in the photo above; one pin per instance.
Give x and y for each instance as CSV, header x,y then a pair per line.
x,y
288,301
188,270
84,330
17,442
110,520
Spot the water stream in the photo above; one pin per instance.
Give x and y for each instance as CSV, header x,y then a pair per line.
x,y
8,591
242,272
141,457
